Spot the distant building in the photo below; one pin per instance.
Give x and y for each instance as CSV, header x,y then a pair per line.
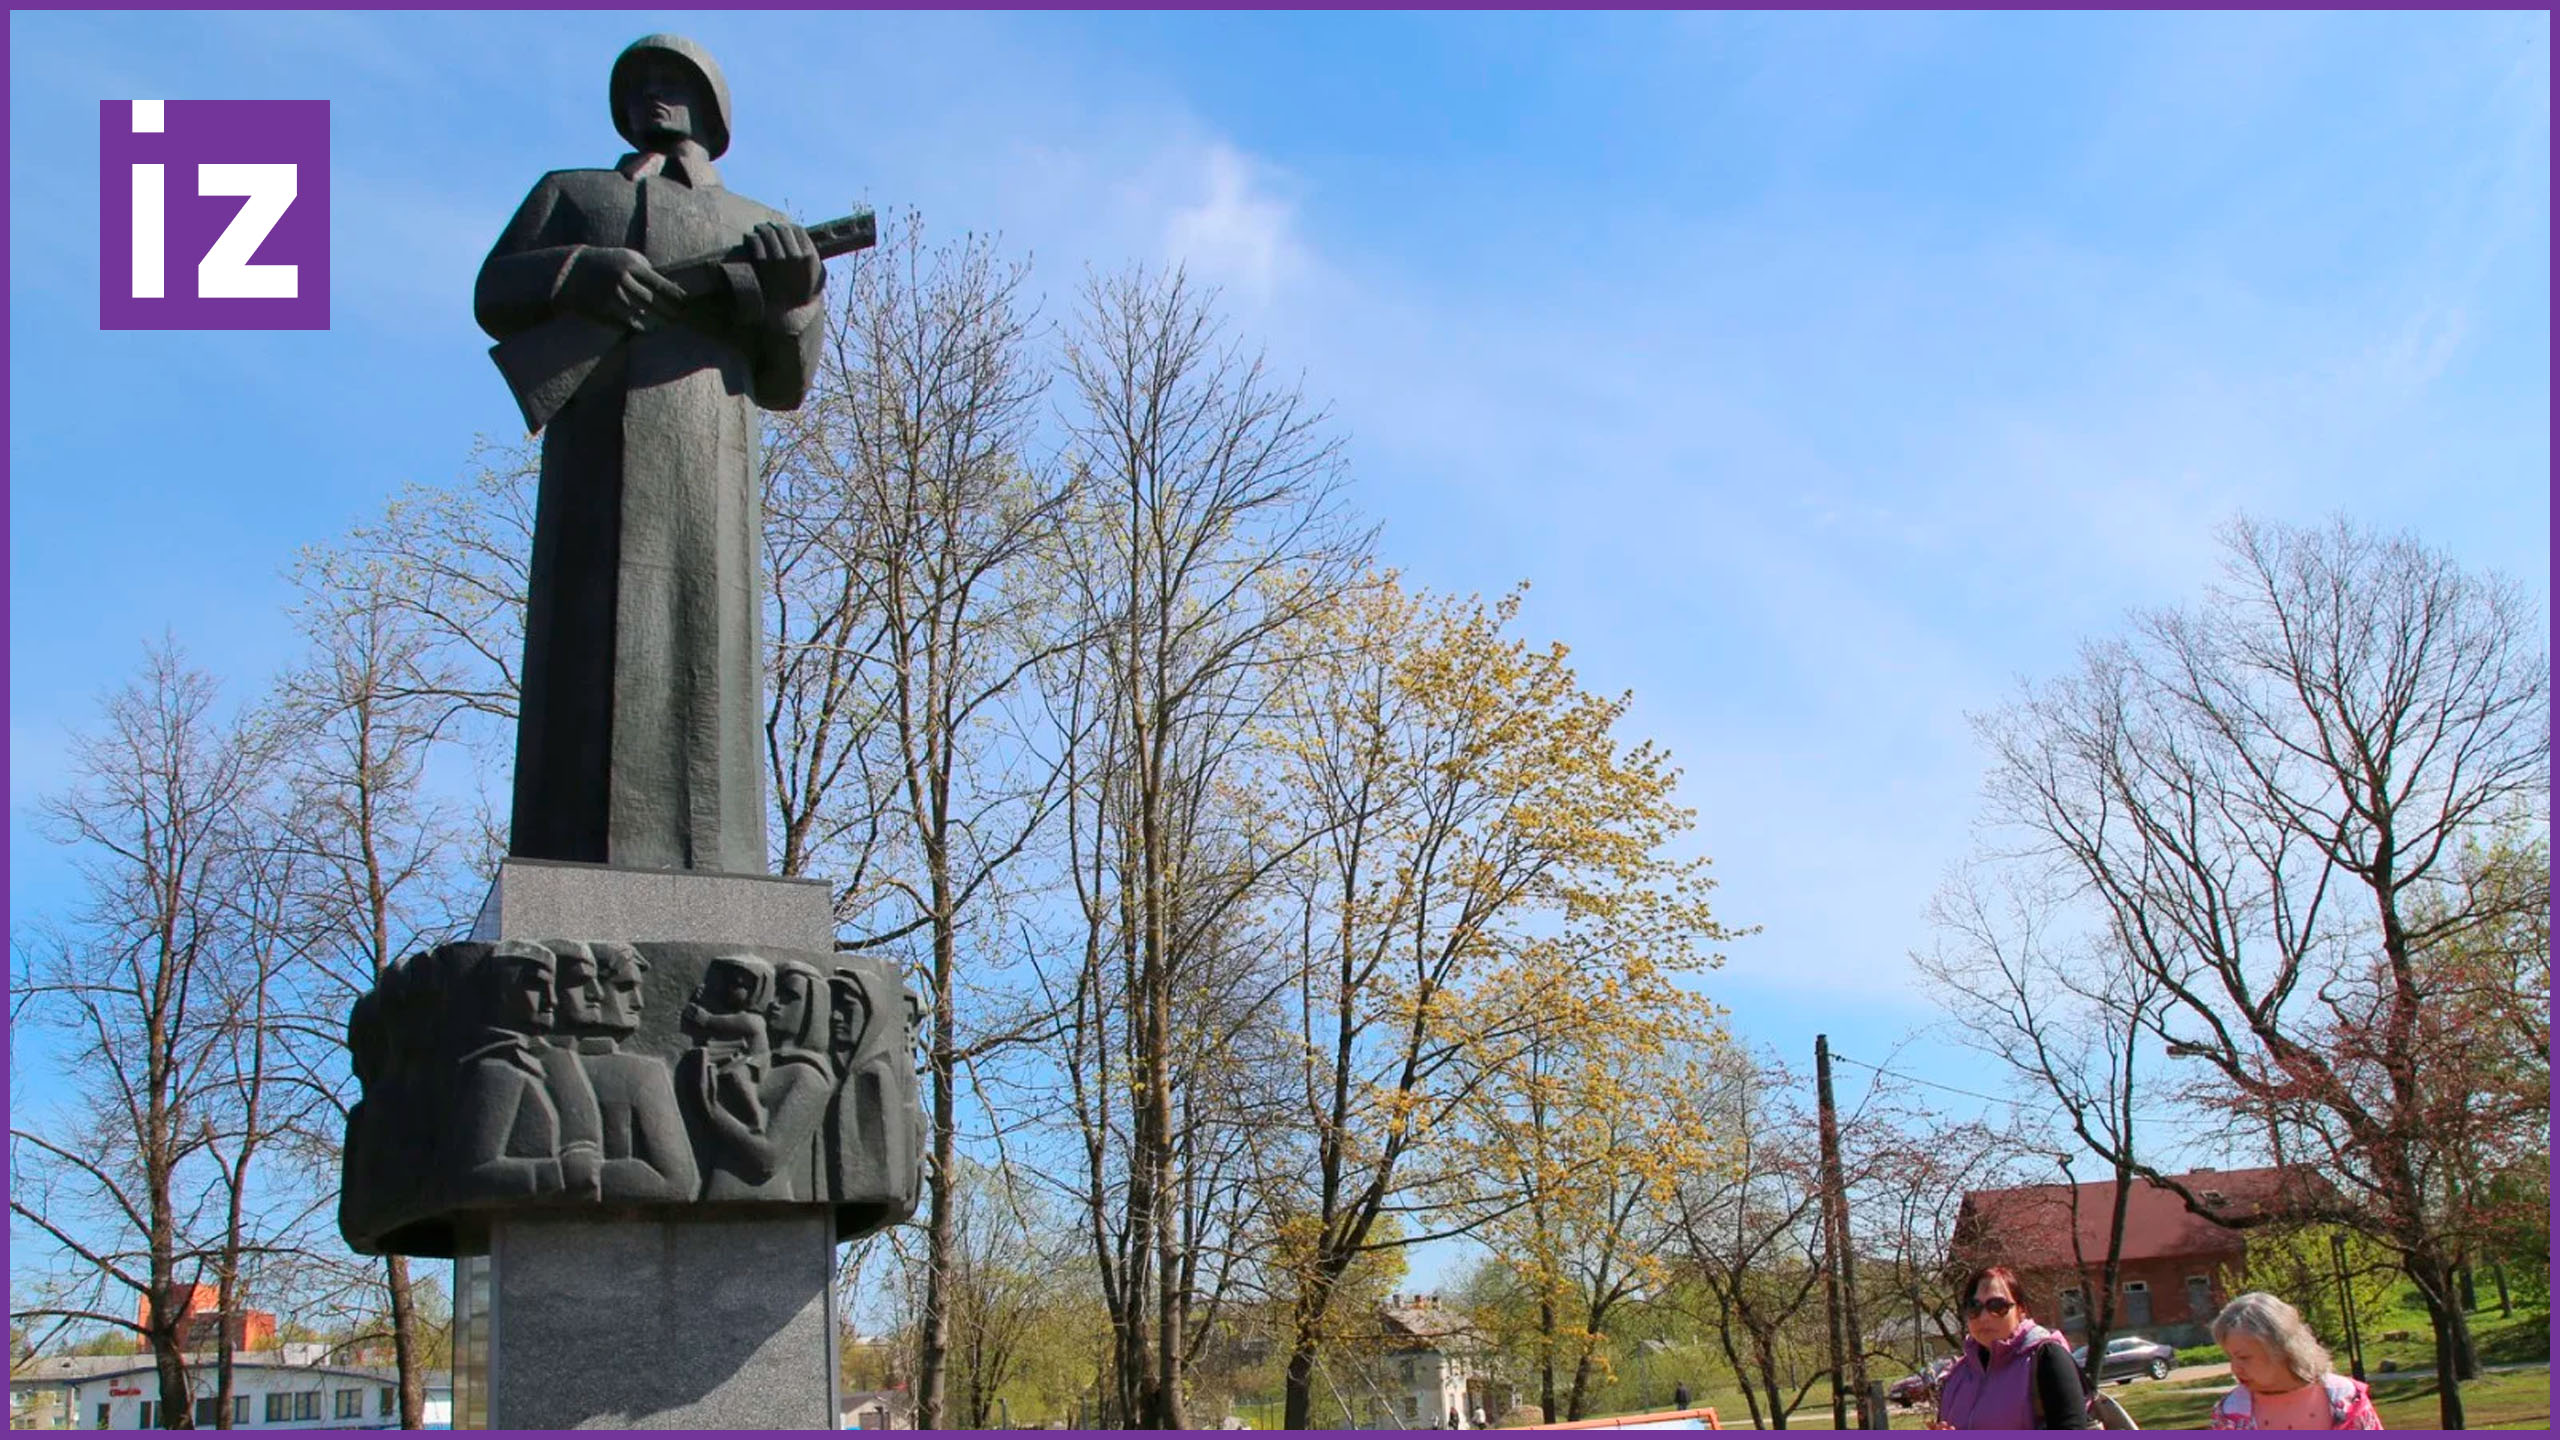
x,y
877,1410
199,1308
2176,1270
122,1392
1432,1366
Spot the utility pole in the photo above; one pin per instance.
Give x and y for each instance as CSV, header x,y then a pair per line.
x,y
1848,1341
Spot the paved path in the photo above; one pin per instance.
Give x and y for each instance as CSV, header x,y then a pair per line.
x,y
2194,1374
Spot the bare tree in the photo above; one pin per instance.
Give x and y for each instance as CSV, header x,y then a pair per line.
x,y
137,1177
2263,802
1753,1231
449,565
2072,1024
1206,531
1009,1278
911,464
256,1111
382,861
1923,1164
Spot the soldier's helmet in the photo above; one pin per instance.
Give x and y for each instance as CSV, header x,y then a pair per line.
x,y
626,69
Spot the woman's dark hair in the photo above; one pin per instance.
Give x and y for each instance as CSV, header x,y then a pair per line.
x,y
2001,1273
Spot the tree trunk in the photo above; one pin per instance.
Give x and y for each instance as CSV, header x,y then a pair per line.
x,y
1297,1395
1766,1352
2466,1354
2435,1287
936,1337
1733,1360
404,1343
228,1293
2102,1318
171,1366
1581,1387
1547,1362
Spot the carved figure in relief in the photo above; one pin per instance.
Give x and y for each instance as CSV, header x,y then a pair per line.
x,y
726,1017
647,1155
777,1152
510,1135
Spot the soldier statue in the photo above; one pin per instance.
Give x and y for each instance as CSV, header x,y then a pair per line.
x,y
639,739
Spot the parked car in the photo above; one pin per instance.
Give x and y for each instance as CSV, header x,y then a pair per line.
x,y
1918,1389
2128,1356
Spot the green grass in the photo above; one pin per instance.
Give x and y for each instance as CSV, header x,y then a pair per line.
x,y
2518,1339
2406,1398
2513,1400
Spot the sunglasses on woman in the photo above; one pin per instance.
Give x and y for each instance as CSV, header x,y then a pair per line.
x,y
1996,1305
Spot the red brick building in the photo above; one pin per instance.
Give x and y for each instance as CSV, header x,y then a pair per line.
x,y
2177,1269
198,1307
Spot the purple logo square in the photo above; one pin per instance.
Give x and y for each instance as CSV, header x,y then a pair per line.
x,y
213,214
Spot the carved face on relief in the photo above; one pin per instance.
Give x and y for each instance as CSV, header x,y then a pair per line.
x,y
624,971
735,985
525,995
581,992
799,1006
849,1012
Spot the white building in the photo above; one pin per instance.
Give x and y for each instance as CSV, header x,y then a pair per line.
x,y
1433,1370
122,1392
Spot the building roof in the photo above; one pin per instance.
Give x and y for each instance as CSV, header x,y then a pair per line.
x,y
2029,1226
75,1369
1421,1322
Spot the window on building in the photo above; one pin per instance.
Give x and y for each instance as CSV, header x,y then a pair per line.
x,y
1404,1369
1413,1407
239,1410
207,1408
105,1411
2074,1303
279,1407
306,1405
350,1405
2199,1297
150,1415
390,1401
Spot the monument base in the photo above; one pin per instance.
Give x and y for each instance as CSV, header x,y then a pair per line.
x,y
539,899
725,1322
711,1324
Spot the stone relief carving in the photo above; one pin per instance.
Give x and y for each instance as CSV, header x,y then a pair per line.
x,y
566,1073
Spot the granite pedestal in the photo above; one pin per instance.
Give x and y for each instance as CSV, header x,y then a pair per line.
x,y
606,902
694,1324
662,1320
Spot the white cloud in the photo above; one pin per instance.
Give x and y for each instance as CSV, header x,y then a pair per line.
x,y
1237,232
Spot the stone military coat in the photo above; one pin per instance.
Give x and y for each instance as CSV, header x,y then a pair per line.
x,y
641,726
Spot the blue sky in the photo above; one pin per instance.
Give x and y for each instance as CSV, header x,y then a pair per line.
x,y
1823,375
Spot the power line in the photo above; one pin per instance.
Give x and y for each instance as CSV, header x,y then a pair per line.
x,y
2012,1102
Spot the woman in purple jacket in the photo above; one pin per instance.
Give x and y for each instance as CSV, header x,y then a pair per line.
x,y
2014,1374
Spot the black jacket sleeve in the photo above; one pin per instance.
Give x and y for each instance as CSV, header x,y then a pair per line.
x,y
2060,1402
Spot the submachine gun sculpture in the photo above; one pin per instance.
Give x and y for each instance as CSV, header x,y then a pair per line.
x,y
547,365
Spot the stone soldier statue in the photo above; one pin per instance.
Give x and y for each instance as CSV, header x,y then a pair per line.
x,y
638,741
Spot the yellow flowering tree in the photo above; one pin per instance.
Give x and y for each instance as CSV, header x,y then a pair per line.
x,y
1482,879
